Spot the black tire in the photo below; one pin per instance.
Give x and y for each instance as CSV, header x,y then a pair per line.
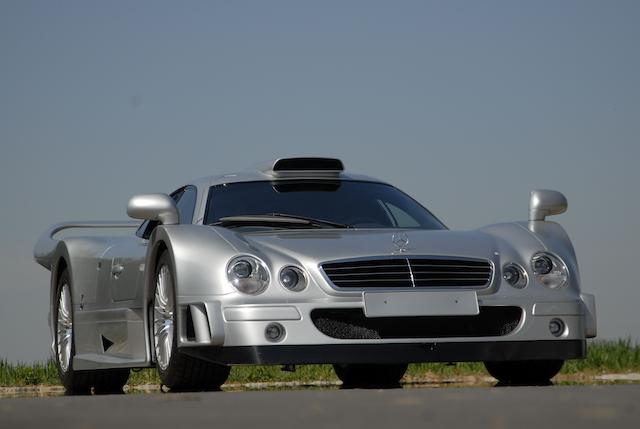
x,y
110,381
184,373
370,375
535,372
81,382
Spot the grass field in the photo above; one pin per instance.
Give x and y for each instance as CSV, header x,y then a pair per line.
x,y
603,357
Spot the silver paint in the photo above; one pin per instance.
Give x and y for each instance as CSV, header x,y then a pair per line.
x,y
114,277
155,207
544,202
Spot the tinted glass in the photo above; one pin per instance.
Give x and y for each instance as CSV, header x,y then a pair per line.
x,y
358,204
187,204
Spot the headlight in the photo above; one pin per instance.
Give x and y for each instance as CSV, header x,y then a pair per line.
x,y
549,270
293,278
248,274
515,275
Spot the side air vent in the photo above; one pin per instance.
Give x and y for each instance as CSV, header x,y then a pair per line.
x,y
106,343
308,164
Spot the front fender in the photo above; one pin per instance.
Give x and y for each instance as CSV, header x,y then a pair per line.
x,y
199,255
555,239
528,238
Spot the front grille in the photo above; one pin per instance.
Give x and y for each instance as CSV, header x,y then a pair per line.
x,y
352,324
409,272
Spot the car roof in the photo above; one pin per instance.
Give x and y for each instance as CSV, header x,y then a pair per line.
x,y
266,172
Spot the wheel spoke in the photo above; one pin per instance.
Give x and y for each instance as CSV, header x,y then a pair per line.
x,y
163,317
64,328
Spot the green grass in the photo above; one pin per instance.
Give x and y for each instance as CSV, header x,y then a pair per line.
x,y
603,356
25,375
607,356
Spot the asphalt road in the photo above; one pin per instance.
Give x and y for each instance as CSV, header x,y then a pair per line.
x,y
617,406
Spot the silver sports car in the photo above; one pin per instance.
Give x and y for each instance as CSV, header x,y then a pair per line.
x,y
298,262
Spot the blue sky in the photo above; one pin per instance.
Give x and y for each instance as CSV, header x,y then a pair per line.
x,y
467,106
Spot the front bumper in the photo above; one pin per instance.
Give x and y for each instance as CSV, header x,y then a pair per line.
x,y
230,332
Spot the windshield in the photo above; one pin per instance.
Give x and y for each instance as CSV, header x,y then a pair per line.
x,y
349,203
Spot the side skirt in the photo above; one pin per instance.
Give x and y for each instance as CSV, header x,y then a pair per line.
x,y
110,338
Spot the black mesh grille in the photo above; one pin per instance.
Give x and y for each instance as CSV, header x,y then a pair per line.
x,y
352,324
409,272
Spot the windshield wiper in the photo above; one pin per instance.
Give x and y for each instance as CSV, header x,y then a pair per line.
x,y
276,219
311,220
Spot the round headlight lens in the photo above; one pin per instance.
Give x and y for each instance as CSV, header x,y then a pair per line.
x,y
515,275
248,275
549,270
242,269
542,265
293,279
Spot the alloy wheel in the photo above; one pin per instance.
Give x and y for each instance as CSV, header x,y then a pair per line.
x,y
163,317
64,328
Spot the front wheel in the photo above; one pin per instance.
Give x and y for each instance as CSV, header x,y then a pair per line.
x,y
535,372
177,371
370,375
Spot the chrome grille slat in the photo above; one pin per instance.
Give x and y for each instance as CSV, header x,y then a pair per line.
x,y
418,280
409,272
449,272
367,268
448,264
415,272
374,280
433,279
381,273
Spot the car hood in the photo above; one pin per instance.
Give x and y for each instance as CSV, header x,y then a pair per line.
x,y
335,244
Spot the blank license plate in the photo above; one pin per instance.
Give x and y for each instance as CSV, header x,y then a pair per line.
x,y
420,303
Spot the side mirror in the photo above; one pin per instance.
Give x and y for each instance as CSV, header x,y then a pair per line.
x,y
156,207
544,202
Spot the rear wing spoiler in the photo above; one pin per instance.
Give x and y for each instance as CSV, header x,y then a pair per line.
x,y
47,244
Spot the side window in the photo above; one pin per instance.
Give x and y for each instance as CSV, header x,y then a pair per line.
x,y
141,229
187,204
402,219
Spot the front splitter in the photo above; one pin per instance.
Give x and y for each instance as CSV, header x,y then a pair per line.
x,y
392,353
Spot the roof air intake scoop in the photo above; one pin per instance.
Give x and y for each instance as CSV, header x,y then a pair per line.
x,y
306,167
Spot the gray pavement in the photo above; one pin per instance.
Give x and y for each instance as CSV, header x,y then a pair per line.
x,y
495,407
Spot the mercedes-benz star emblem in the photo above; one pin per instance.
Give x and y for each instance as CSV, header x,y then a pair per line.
x,y
401,241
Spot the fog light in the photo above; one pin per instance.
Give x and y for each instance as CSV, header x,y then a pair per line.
x,y
274,332
556,327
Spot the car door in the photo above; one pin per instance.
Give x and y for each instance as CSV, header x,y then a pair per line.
x,y
128,257
127,270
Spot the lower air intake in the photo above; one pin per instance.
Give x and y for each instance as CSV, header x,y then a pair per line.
x,y
351,324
